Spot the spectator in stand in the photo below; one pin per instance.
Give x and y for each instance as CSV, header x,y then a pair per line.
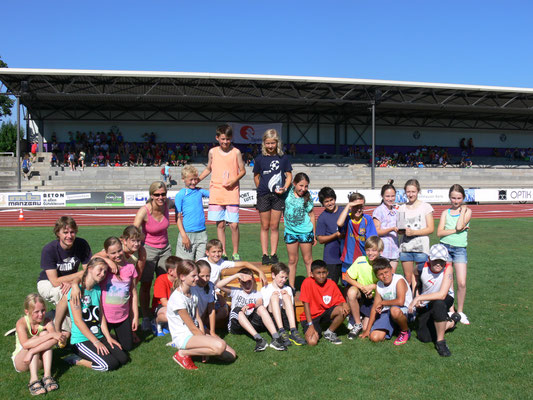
x,y
470,145
34,152
26,167
205,150
72,160
81,159
292,149
53,160
194,150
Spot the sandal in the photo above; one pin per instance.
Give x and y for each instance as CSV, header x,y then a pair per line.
x,y
50,384
36,388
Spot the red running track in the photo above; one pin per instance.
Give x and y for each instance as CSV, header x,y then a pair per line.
x,y
33,217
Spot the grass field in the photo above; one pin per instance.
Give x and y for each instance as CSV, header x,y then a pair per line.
x,y
492,358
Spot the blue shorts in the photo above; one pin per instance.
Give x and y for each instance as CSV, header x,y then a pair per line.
x,y
228,213
418,258
385,323
300,237
457,254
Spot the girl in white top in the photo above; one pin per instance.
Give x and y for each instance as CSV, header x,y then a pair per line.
x,y
185,324
414,247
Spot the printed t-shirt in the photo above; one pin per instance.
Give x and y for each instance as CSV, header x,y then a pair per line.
x,y
355,238
387,219
205,296
90,313
272,172
297,220
362,272
178,301
65,262
415,219
116,293
320,298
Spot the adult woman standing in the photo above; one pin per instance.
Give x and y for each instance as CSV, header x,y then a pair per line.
x,y
153,218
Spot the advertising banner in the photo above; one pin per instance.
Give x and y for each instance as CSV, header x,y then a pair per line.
x,y
252,133
504,195
95,199
32,199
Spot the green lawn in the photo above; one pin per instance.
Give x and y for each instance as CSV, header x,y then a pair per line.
x,y
492,358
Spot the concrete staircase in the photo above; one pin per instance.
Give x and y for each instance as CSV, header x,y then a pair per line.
x,y
335,173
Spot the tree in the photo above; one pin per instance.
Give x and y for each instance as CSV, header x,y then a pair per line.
x,y
5,102
8,136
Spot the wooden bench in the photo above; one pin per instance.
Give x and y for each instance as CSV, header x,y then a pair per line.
x,y
299,307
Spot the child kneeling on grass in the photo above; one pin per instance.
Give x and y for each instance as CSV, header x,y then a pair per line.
x,y
279,301
248,314
35,339
435,299
393,296
323,304
185,325
363,280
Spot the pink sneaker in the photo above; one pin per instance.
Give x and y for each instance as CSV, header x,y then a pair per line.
x,y
184,361
402,338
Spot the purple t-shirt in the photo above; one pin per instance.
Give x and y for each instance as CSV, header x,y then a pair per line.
x,y
327,225
387,219
65,262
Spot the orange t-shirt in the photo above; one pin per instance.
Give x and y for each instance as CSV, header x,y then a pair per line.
x,y
224,167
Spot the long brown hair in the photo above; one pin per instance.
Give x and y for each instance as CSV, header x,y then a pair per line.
x,y
185,267
302,176
93,263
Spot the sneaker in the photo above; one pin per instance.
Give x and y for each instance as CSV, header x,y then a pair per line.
x,y
265,260
260,345
224,257
236,257
72,359
356,330
277,344
402,338
146,325
184,361
297,339
171,344
464,319
332,337
274,259
157,329
442,349
284,338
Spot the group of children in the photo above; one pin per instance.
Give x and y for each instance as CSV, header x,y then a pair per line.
x,y
361,252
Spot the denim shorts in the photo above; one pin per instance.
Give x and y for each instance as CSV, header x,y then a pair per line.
x,y
300,238
457,254
418,258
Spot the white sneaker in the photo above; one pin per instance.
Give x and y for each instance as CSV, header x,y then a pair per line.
x,y
464,319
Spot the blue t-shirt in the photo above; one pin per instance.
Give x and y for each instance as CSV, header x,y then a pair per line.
x,y
189,203
272,172
297,220
327,225
90,312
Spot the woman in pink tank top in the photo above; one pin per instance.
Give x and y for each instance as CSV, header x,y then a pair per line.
x,y
153,218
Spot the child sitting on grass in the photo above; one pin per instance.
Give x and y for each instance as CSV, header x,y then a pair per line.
x,y
35,339
363,281
163,287
393,296
279,301
248,314
323,304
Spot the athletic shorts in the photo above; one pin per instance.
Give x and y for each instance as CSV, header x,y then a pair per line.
x,y
384,322
228,213
291,238
197,250
457,254
255,319
322,319
270,201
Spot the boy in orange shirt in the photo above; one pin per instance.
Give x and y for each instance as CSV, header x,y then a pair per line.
x,y
227,167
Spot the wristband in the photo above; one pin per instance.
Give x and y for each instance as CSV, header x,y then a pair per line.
x,y
309,323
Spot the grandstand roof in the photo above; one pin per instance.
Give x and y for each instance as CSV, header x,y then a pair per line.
x,y
55,94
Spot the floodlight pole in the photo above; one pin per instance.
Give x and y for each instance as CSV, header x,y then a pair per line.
x,y
19,178
372,171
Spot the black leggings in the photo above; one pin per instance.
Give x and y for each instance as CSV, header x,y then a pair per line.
x,y
123,332
436,311
108,362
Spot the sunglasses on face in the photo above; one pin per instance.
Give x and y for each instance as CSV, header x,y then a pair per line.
x,y
159,194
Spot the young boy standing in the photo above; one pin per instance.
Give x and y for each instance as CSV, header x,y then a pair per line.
x,y
248,314
363,282
358,227
328,234
393,297
279,301
323,304
227,167
190,218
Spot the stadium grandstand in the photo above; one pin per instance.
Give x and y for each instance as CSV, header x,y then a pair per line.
x,y
346,133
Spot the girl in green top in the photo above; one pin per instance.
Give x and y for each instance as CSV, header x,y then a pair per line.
x,y
453,233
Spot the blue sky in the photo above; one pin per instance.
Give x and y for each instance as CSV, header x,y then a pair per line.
x,y
472,42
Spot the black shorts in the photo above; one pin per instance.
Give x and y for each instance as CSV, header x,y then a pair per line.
x,y
270,201
435,311
256,321
365,305
324,318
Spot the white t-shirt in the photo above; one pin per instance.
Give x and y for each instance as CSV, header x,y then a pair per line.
x,y
415,219
178,301
204,297
239,298
432,282
389,292
266,292
216,268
